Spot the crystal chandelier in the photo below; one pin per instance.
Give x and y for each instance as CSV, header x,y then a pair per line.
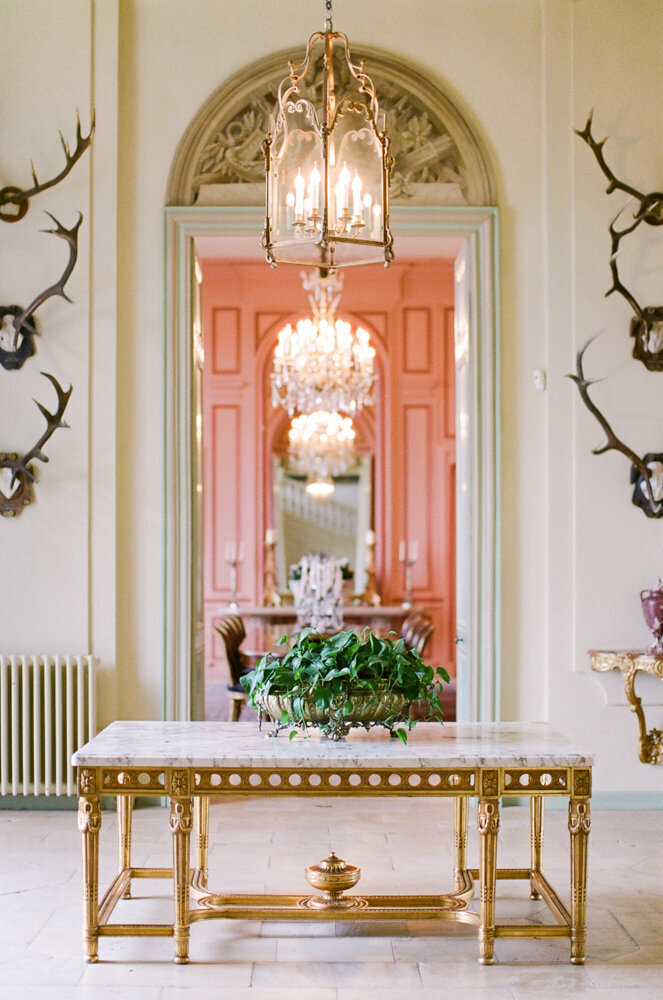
x,y
321,446
327,167
323,364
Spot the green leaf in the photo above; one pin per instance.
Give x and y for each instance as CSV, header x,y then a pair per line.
x,y
323,697
402,735
292,734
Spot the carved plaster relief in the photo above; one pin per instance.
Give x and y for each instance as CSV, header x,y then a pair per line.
x,y
438,159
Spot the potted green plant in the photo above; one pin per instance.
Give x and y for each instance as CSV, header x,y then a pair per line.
x,y
344,680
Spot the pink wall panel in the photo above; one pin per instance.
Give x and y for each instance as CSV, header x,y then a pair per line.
x,y
224,522
416,341
226,349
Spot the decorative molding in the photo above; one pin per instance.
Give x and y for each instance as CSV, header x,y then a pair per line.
x,y
479,698
439,160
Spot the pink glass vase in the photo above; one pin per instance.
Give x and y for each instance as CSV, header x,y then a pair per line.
x,y
652,609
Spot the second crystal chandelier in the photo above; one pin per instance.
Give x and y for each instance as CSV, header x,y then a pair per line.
x,y
323,364
321,445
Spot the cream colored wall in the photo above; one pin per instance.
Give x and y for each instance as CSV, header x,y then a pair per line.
x,y
575,551
58,557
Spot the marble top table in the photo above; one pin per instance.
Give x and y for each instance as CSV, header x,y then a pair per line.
x,y
191,762
241,745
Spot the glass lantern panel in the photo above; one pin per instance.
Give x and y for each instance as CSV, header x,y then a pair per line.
x,y
295,202
355,176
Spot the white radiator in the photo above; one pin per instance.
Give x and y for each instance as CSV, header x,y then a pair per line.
x,y
47,711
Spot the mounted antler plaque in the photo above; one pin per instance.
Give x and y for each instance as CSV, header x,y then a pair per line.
x,y
17,327
646,472
19,198
16,482
647,324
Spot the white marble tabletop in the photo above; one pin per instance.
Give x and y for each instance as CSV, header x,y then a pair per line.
x,y
240,744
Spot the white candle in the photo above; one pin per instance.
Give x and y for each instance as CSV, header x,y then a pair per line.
x,y
377,223
314,189
240,553
270,536
401,551
356,196
290,208
230,551
299,194
370,537
414,551
344,184
367,202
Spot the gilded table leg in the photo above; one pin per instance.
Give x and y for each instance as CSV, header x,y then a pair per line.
x,y
579,824
89,824
124,816
488,824
461,812
181,824
201,812
536,807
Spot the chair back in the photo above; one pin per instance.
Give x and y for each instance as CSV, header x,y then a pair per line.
x,y
407,628
421,635
232,632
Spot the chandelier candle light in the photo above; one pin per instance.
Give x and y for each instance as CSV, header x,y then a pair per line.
x,y
322,364
327,166
321,446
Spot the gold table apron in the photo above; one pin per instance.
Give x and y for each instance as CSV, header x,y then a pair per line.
x,y
486,762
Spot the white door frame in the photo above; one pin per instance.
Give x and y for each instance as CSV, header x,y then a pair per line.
x,y
479,694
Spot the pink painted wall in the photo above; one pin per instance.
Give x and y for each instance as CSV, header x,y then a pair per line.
x,y
408,309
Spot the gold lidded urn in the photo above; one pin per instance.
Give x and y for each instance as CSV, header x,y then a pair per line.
x,y
652,609
333,877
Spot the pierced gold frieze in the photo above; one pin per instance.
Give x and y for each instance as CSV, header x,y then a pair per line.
x,y
142,780
380,781
550,780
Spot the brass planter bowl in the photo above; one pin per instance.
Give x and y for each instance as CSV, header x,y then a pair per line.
x,y
368,708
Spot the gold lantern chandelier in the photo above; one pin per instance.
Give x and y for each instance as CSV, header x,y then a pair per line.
x,y
322,364
327,167
322,445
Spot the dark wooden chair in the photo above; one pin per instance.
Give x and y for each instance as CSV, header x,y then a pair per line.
x,y
421,635
232,632
409,625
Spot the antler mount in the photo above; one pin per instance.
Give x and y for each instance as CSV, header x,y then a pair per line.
x,y
19,478
647,325
646,472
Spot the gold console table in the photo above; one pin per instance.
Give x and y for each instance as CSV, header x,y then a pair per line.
x,y
630,661
191,762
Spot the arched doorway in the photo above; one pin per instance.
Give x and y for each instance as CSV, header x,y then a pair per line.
x,y
443,171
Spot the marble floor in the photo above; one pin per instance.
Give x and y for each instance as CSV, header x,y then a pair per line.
x,y
261,845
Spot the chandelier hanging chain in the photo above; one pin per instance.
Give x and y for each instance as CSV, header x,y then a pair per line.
x,y
328,16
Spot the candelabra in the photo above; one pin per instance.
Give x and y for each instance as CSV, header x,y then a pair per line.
x,y
270,595
370,595
234,554
318,593
407,554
